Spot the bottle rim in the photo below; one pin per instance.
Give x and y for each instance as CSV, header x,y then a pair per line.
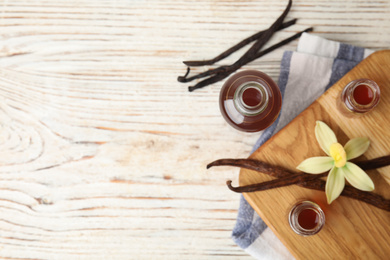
x,y
294,214
261,87
351,104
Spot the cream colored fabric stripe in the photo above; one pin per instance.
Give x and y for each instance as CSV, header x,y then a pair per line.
x,y
307,81
316,45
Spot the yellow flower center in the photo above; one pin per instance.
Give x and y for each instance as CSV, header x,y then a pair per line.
x,y
338,154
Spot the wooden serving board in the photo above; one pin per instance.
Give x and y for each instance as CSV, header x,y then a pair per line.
x,y
353,229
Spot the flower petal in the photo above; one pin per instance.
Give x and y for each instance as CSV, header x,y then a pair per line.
x,y
357,177
325,136
316,165
334,184
356,147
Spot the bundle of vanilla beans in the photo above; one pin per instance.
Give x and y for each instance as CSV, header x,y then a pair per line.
x,y
260,39
285,177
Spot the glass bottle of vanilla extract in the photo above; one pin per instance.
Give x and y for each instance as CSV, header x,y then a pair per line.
x,y
250,101
359,97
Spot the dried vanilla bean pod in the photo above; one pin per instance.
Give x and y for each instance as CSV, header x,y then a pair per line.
x,y
280,172
228,69
287,177
316,184
349,191
236,47
264,39
255,165
261,41
282,182
374,163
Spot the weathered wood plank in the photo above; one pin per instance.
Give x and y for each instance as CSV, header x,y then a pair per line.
x,y
102,151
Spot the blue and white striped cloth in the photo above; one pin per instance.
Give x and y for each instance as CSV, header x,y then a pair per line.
x,y
305,75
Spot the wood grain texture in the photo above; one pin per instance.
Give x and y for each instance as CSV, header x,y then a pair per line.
x,y
353,229
103,152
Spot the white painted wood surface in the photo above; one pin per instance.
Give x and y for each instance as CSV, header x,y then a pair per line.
x,y
102,151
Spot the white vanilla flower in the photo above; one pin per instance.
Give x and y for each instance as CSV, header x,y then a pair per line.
x,y
337,162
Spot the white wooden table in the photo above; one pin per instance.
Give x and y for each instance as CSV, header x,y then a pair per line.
x,y
102,152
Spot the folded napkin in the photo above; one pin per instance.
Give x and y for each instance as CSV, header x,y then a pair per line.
x,y
305,75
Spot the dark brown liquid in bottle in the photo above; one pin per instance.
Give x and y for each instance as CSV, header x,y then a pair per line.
x,y
308,219
358,97
250,101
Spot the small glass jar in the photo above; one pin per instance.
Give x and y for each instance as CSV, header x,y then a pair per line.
x,y
250,101
306,218
359,97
